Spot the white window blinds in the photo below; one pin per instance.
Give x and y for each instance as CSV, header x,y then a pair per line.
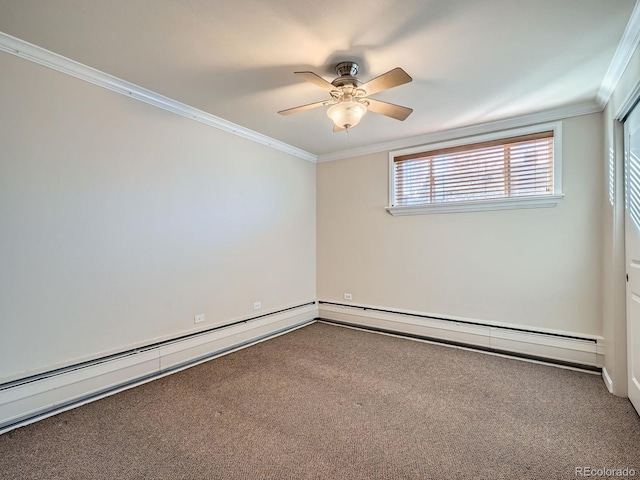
x,y
514,167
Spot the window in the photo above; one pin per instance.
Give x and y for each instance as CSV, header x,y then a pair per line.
x,y
488,173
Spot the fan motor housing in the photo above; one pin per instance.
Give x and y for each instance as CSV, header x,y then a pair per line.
x,y
347,68
347,72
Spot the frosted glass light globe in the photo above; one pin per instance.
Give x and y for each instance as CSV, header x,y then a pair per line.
x,y
346,114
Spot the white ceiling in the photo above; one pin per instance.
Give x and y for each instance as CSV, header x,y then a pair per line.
x,y
471,61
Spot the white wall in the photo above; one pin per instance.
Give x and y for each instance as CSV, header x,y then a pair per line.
x,y
120,221
538,268
614,311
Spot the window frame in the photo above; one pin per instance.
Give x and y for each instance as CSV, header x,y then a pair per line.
x,y
538,201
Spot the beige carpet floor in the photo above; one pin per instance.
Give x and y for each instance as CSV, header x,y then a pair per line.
x,y
327,402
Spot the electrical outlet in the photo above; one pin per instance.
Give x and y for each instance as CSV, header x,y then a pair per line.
x,y
347,296
198,318
257,305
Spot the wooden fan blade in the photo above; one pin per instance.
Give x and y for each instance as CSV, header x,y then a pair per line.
x,y
391,79
316,80
302,108
388,109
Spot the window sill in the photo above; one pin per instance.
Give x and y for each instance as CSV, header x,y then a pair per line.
x,y
547,201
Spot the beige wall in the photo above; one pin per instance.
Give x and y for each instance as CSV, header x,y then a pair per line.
x,y
120,221
614,320
538,268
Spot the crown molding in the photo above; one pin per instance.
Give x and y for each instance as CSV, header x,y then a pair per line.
x,y
626,48
41,56
555,114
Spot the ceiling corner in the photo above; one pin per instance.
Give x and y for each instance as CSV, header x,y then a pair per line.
x,y
627,46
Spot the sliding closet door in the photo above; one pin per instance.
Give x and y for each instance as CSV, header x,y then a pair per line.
x,y
632,239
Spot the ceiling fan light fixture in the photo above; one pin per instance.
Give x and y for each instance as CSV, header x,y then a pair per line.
x,y
346,114
350,97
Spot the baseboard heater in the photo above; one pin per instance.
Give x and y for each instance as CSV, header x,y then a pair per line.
x,y
566,349
31,398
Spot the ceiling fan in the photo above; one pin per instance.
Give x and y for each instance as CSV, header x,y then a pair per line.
x,y
350,97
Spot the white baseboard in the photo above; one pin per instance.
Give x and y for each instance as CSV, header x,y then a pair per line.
x,y
559,347
607,379
25,402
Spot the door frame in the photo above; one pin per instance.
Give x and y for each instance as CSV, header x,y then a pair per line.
x,y
620,385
